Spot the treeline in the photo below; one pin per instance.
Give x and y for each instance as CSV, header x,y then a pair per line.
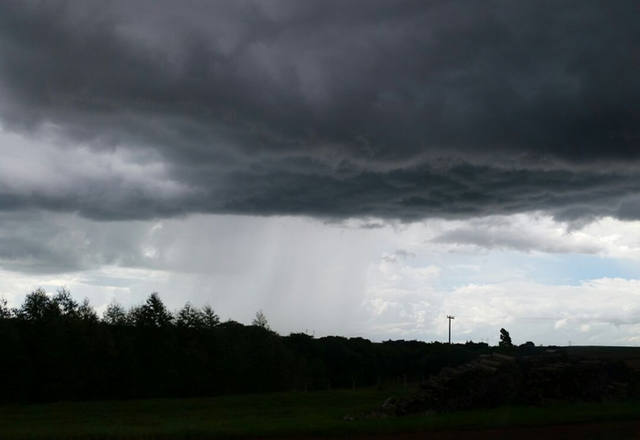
x,y
54,348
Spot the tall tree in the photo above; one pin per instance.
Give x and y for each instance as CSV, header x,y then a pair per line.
x,y
115,314
5,312
260,320
505,339
209,318
66,304
152,313
86,312
37,306
189,317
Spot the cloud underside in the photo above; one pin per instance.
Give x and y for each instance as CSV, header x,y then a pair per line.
x,y
334,110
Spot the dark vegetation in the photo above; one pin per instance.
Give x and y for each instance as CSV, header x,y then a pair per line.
x,y
524,377
505,339
54,348
299,415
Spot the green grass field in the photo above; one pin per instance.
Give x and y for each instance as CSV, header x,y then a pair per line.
x,y
267,415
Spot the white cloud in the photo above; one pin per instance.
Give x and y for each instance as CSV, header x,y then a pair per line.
x,y
542,312
538,232
44,172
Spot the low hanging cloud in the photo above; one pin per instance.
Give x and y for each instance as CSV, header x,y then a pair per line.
x,y
329,109
525,233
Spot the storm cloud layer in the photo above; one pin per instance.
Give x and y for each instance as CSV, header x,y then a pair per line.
x,y
405,110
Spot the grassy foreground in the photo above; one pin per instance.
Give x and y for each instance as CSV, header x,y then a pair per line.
x,y
267,415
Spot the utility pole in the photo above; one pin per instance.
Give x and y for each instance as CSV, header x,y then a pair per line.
x,y
449,317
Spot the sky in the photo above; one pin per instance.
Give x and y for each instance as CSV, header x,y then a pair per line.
x,y
359,168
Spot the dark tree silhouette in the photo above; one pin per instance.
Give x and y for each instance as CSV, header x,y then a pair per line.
x,y
38,306
57,349
505,339
66,304
209,318
152,313
86,313
115,314
189,317
193,317
261,321
5,312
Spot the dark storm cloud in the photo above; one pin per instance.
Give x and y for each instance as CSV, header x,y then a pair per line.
x,y
43,242
336,109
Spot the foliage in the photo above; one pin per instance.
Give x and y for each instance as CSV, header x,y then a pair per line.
x,y
209,318
85,312
59,349
115,314
152,313
505,339
67,306
260,320
37,306
192,317
5,312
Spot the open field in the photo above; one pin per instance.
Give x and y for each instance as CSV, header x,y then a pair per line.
x,y
297,415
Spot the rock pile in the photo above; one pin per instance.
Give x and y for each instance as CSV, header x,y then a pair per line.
x,y
498,379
